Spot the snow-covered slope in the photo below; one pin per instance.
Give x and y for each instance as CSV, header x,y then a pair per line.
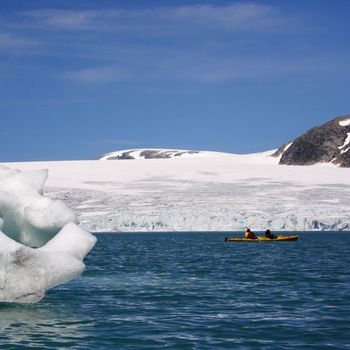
x,y
216,192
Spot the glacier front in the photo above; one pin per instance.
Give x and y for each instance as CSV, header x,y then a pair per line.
x,y
204,192
40,244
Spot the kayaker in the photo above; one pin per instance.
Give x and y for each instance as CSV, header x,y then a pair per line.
x,y
249,234
268,234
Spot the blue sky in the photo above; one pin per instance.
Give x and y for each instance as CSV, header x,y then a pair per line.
x,y
81,78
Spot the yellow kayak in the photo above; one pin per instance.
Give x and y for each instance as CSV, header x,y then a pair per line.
x,y
262,239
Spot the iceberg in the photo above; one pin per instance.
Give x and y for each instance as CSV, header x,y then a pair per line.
x,y
26,215
41,246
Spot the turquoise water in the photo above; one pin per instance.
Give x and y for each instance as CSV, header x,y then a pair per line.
x,y
194,291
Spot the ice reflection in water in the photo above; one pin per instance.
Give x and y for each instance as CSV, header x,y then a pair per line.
x,y
41,325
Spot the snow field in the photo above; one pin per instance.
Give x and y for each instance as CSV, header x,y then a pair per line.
x,y
200,193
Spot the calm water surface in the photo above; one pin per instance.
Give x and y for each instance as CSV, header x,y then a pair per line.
x,y
193,291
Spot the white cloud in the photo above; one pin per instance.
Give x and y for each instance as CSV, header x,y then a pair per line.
x,y
238,16
96,75
235,16
64,19
9,41
190,67
235,69
194,43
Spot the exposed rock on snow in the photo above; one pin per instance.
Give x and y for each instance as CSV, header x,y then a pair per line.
x,y
322,144
154,154
282,149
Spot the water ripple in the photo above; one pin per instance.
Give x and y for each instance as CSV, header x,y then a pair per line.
x,y
193,291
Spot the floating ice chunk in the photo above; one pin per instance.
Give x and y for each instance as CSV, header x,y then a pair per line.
x,y
36,221
27,216
71,240
26,273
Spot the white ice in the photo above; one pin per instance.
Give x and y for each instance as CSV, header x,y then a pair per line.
x,y
27,220
26,273
26,215
213,193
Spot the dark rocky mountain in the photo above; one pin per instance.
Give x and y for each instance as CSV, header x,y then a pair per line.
x,y
328,143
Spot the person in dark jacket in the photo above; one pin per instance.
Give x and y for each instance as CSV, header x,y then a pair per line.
x,y
268,234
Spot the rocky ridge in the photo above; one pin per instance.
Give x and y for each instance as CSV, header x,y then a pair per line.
x,y
147,154
327,143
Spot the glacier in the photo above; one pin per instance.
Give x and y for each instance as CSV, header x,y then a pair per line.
x,y
213,192
40,244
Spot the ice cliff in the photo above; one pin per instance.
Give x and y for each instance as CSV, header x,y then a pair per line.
x,y
40,245
202,192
